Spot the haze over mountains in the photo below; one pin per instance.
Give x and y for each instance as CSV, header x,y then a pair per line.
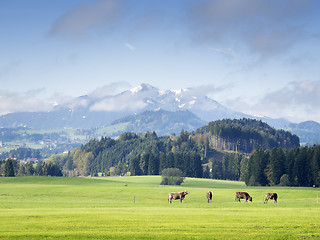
x,y
92,111
145,108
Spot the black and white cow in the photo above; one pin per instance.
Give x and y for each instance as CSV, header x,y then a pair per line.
x,y
209,196
273,196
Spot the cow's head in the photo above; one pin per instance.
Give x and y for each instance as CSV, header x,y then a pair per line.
x,y
250,199
185,192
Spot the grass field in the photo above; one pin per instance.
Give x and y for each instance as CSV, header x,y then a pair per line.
x,y
137,208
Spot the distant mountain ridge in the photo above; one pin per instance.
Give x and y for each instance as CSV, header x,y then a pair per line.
x,y
308,131
185,109
162,122
96,111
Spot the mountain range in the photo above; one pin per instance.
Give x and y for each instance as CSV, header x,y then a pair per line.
x,y
94,111
146,108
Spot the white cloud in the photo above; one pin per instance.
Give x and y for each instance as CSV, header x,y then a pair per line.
x,y
227,51
263,27
110,89
305,94
298,101
85,18
23,102
122,102
129,46
203,90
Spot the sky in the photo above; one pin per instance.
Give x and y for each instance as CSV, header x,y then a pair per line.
x,y
259,57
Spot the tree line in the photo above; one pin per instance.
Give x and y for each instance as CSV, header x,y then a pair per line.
x,y
292,167
245,149
13,167
144,154
196,154
22,154
149,164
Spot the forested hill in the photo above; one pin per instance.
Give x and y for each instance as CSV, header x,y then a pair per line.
x,y
245,135
194,153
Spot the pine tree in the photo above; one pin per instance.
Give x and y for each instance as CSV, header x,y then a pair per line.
x,y
257,164
216,169
9,169
315,164
153,165
179,161
196,169
225,162
162,162
301,170
144,160
243,167
135,167
277,159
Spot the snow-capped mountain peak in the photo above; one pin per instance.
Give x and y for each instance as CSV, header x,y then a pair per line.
x,y
102,109
142,87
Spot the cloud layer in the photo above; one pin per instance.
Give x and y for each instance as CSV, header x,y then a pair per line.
x,y
23,102
119,103
263,27
298,101
81,20
302,97
109,89
113,101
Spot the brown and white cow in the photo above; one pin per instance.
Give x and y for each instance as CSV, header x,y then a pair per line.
x,y
209,196
179,195
243,195
273,196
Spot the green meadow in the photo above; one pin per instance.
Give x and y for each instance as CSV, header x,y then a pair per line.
x,y
138,208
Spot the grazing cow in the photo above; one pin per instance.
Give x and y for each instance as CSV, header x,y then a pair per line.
x,y
179,195
273,196
243,195
209,196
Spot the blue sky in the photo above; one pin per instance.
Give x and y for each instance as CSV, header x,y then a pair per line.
x,y
259,57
